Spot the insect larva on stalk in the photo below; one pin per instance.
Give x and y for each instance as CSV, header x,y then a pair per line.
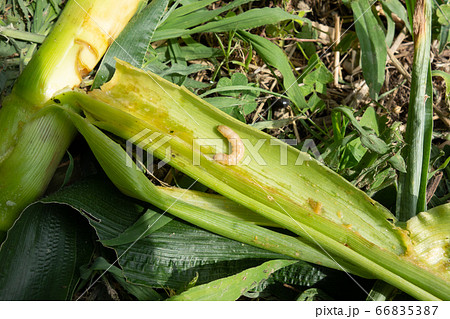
x,y
237,147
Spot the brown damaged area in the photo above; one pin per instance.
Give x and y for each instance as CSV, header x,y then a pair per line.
x,y
315,206
419,19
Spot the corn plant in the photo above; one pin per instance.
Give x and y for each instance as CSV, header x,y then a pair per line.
x,y
34,141
331,222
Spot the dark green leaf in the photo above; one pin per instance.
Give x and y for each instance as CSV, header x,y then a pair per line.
x,y
172,255
41,256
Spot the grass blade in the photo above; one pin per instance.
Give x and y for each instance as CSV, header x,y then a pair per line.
x,y
373,46
195,13
396,7
274,56
250,19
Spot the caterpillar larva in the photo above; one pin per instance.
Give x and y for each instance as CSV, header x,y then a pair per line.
x,y
237,147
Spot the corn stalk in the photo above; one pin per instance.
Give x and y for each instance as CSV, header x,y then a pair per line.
x,y
34,141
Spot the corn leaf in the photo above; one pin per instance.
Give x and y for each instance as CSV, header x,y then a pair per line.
x,y
171,255
233,224
41,256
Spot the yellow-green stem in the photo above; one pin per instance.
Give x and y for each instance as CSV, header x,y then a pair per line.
x,y
32,146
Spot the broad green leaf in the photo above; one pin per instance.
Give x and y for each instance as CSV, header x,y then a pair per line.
x,y
373,46
231,288
170,256
41,257
443,14
133,42
398,163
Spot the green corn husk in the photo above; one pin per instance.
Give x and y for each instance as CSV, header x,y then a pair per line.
x,y
429,232
218,204
212,212
32,146
302,196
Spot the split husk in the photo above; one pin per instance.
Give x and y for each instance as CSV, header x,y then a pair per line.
x,y
291,189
